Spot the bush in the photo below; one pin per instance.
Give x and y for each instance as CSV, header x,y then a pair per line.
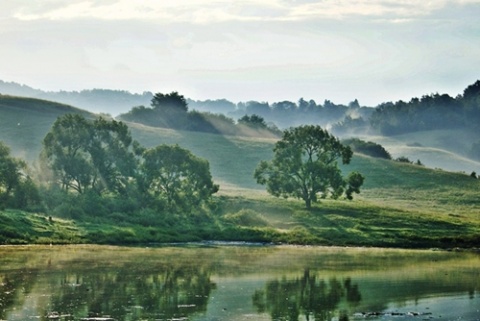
x,y
403,159
367,148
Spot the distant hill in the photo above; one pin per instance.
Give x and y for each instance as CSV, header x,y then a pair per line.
x,y
24,122
105,101
283,114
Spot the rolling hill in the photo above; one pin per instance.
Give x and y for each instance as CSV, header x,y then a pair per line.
x,y
400,204
24,123
443,148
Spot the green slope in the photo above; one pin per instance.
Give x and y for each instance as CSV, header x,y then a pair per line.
x,y
445,149
24,123
232,159
400,204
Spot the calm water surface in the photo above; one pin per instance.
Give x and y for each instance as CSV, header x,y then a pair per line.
x,y
234,282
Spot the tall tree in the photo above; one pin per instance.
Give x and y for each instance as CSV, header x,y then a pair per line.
x,y
112,154
66,150
170,109
89,155
176,177
172,101
305,166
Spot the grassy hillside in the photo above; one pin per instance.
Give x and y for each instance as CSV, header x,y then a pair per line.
x,y
443,149
25,121
401,205
232,159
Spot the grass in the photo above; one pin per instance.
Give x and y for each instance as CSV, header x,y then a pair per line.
x,y
18,227
232,159
260,218
361,222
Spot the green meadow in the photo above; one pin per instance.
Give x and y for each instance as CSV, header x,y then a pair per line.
x,y
400,205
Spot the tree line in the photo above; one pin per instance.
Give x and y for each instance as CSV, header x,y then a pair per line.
x,y
435,111
223,117
172,111
429,112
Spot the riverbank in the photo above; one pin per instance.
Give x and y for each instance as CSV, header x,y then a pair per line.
x,y
257,219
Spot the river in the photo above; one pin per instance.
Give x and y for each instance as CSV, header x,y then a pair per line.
x,y
236,282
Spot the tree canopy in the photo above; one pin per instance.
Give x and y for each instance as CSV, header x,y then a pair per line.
x,y
172,102
254,121
100,156
173,175
305,166
89,155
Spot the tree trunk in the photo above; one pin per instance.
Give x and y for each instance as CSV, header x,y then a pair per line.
x,y
308,203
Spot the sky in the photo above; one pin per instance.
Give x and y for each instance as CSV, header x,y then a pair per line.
x,y
265,50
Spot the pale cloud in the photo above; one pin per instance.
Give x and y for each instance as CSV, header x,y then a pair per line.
x,y
372,50
397,10
205,11
198,11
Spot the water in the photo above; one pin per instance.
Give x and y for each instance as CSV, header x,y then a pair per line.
x,y
235,282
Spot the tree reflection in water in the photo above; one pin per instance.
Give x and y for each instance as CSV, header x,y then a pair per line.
x,y
13,288
124,294
316,299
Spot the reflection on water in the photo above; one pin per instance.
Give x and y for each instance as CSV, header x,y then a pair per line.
x,y
314,298
236,283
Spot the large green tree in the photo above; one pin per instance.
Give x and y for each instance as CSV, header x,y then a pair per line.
x,y
112,153
170,102
89,155
305,166
175,177
171,109
66,150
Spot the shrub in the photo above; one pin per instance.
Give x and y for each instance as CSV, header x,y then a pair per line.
x,y
403,159
367,148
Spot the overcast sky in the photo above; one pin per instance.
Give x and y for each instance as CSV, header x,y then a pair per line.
x,y
266,50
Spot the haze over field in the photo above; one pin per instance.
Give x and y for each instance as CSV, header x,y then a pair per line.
x,y
270,50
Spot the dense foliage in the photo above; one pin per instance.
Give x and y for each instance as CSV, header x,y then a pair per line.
x,y
175,178
305,166
86,155
95,162
429,112
171,111
254,121
367,148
